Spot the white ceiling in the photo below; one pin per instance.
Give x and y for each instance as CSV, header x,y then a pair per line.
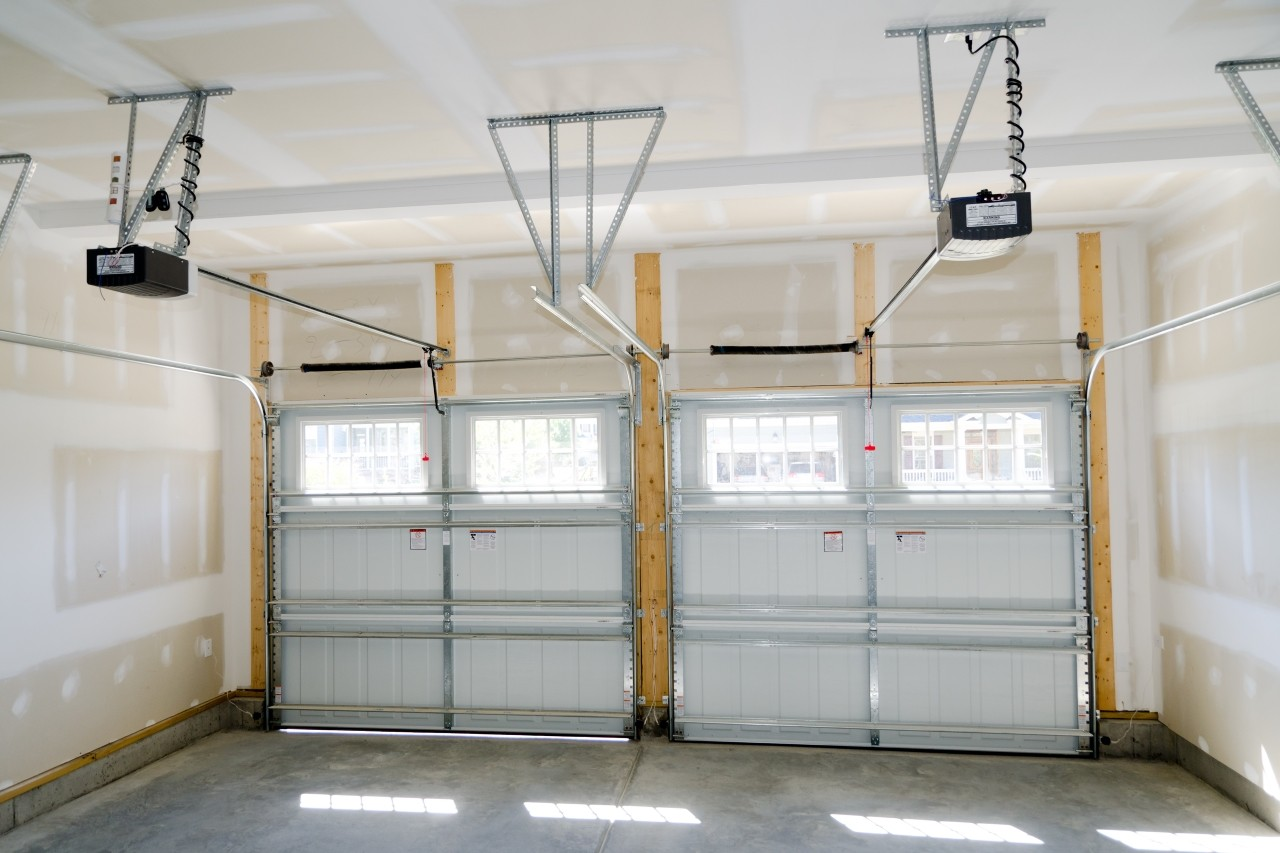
x,y
357,131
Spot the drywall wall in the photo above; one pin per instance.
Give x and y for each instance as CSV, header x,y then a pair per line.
x,y
122,510
1030,294
497,318
397,297
1215,422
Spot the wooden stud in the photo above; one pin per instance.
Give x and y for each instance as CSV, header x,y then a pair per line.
x,y
864,303
1089,256
259,351
651,574
446,328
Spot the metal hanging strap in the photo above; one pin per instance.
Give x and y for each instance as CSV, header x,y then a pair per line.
x,y
28,166
937,169
595,259
190,122
1261,127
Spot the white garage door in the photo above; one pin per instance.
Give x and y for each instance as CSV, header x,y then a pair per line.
x,y
929,593
488,589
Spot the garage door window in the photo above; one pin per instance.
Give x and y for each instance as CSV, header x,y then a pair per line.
x,y
365,456
939,449
796,450
517,452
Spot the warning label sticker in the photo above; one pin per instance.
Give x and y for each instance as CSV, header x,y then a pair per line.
x,y
910,541
992,213
833,541
484,540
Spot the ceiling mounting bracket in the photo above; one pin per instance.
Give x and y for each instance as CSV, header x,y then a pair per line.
x,y
24,178
937,169
595,260
1261,127
190,125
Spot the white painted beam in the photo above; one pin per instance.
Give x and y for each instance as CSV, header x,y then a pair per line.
x,y
1079,156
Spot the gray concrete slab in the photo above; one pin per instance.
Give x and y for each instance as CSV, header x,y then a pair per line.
x,y
241,790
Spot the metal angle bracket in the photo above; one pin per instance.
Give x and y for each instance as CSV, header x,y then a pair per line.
x,y
1262,128
24,178
190,122
936,169
595,260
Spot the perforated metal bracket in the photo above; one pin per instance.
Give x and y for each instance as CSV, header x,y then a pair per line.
x,y
1262,128
936,170
595,260
24,178
190,121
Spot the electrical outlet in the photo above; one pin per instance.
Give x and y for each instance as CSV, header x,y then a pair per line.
x,y
206,647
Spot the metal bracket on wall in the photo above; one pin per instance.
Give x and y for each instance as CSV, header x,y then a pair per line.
x,y
190,124
24,178
1261,127
551,121
936,170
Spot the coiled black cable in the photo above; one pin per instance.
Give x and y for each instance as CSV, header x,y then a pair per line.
x,y
189,175
1013,97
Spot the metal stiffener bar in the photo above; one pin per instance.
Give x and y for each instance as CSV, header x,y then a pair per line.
x,y
937,170
24,178
595,259
191,118
1261,127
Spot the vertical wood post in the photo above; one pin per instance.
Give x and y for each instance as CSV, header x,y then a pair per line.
x,y
446,328
864,303
652,593
1089,256
259,351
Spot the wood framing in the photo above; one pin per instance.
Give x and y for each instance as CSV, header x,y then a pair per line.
x,y
651,576
259,351
446,328
864,303
1089,257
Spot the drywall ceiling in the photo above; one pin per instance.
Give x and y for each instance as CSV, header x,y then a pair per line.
x,y
357,131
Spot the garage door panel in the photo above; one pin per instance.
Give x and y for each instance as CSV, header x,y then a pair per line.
x,y
762,567
995,569
530,674
441,605
990,689
558,564
970,632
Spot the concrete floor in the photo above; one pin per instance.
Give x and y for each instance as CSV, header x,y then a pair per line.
x,y
246,790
